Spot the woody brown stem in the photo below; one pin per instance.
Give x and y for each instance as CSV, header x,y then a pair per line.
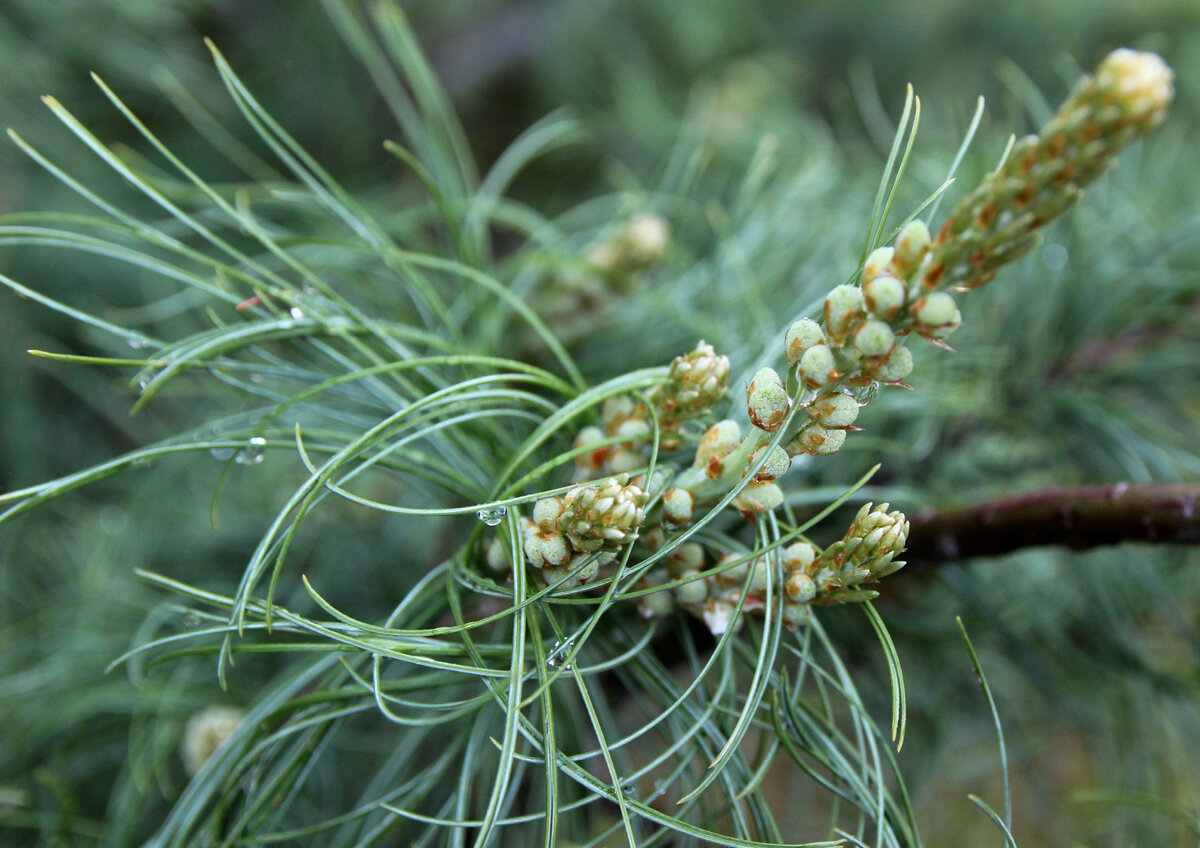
x,y
1078,518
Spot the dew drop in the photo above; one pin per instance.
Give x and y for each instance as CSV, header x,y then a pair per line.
x,y
492,517
560,650
191,620
866,394
222,454
252,453
139,344
296,312
1054,257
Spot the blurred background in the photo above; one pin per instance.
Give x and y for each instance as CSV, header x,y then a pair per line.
x,y
1078,366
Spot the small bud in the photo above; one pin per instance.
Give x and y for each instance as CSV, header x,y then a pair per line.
x,y
1141,84
796,615
656,604
816,440
884,296
496,555
799,588
759,497
623,460
878,262
911,246
798,556
547,550
818,367
546,512
591,460
733,576
767,400
777,464
718,441
834,409
844,308
874,338
687,557
802,335
896,367
643,241
678,506
692,593
936,314
207,731
632,429
652,539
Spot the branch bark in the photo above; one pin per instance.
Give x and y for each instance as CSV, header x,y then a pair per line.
x,y
1079,518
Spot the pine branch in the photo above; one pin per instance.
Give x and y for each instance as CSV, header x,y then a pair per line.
x,y
1079,518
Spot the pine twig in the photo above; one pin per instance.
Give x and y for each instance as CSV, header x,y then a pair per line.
x,y
1079,518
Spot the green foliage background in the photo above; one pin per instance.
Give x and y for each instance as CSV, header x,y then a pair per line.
x,y
1081,371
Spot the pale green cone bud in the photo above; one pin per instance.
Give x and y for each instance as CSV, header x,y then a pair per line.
x,y
777,464
936,315
592,460
796,615
496,555
844,309
802,335
692,593
757,585
678,507
912,244
879,262
643,241
884,296
616,409
834,409
653,538
799,556
656,604
546,512
799,588
897,365
547,550
767,400
732,576
874,338
633,429
687,557
758,497
1140,84
206,731
718,441
696,381
624,460
602,517
553,574
817,366
816,440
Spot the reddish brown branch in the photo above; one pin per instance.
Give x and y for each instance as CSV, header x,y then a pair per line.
x,y
1078,518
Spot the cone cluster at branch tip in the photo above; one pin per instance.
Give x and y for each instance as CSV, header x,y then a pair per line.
x,y
1045,174
802,573
904,289
695,381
